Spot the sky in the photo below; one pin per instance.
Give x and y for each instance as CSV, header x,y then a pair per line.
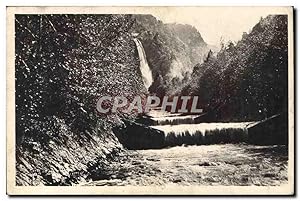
x,y
216,22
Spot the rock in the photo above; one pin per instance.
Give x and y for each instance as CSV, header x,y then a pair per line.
x,y
136,163
207,164
177,180
245,178
138,136
269,131
269,175
152,159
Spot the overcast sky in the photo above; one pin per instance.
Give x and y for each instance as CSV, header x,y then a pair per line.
x,y
216,22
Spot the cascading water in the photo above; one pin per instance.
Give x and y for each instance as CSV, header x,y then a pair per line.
x,y
145,70
180,129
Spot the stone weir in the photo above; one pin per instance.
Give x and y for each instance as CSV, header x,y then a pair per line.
x,y
148,135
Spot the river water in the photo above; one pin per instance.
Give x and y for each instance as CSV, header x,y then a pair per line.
x,y
238,164
223,164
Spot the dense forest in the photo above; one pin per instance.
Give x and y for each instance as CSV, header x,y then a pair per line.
x,y
64,63
247,80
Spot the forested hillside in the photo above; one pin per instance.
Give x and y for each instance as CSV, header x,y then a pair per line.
x,y
247,80
64,63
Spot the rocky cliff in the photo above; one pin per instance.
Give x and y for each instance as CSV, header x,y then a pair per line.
x,y
172,51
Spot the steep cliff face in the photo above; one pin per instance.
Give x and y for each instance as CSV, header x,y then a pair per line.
x,y
247,80
64,63
194,45
172,50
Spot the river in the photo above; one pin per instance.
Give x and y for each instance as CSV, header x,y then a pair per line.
x,y
223,164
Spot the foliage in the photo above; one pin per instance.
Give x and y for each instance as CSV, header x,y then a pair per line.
x,y
64,63
246,81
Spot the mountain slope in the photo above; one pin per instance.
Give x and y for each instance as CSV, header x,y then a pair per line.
x,y
246,81
172,50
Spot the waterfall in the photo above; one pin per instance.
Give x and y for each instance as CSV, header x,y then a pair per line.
x,y
145,70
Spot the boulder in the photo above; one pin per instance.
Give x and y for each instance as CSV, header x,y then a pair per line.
x,y
137,136
273,130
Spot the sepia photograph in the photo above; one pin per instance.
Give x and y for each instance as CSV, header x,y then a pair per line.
x,y
150,100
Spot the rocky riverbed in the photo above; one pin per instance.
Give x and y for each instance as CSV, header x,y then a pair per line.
x,y
224,164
